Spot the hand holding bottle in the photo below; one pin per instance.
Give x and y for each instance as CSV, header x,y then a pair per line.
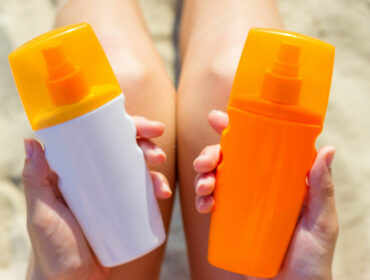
x,y
312,247
60,250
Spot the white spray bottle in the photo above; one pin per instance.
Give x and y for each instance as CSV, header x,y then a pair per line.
x,y
76,108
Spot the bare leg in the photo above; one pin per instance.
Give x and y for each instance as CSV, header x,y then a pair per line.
x,y
212,37
149,92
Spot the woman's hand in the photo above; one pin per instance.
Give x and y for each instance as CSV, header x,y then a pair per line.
x,y
60,250
311,250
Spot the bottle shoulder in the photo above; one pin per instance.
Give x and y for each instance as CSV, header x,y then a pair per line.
x,y
97,96
259,106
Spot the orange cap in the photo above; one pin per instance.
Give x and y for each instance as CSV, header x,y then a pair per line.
x,y
62,74
286,68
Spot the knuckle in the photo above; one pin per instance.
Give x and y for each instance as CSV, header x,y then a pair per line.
x,y
42,221
328,229
328,189
31,180
27,179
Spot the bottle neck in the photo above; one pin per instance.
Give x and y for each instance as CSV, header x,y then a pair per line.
x,y
282,84
281,89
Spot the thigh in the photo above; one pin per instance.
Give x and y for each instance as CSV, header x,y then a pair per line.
x,y
148,92
212,38
198,94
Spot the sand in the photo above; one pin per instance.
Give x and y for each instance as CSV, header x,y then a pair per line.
x,y
344,23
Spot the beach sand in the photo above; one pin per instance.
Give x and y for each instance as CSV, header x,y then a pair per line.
x,y
344,23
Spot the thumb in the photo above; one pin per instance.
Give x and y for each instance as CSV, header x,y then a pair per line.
x,y
321,214
35,176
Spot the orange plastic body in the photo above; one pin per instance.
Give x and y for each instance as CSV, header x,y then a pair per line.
x,y
261,184
267,150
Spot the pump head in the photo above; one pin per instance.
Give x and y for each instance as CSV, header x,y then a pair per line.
x,y
66,81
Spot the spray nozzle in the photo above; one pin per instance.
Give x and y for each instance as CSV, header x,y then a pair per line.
x,y
66,82
282,83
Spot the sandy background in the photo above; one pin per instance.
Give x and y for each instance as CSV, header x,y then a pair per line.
x,y
344,23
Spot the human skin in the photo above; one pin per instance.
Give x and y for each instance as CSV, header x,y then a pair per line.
x,y
310,254
212,37
148,91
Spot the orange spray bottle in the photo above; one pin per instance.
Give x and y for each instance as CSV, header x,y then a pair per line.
x,y
276,111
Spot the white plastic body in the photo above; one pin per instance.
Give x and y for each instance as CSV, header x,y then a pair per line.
x,y
105,181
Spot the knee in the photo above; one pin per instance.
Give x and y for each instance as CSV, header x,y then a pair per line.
x,y
131,73
220,74
222,69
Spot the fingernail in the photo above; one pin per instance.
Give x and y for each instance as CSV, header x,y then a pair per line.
x,y
200,158
157,123
201,203
201,182
217,112
159,151
195,162
166,188
197,186
329,159
28,148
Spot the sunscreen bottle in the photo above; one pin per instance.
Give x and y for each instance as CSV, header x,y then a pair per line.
x,y
276,111
76,108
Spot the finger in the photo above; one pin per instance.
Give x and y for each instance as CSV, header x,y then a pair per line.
x,y
204,204
45,212
36,168
35,176
53,180
152,153
162,189
148,129
320,206
208,159
205,184
218,120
